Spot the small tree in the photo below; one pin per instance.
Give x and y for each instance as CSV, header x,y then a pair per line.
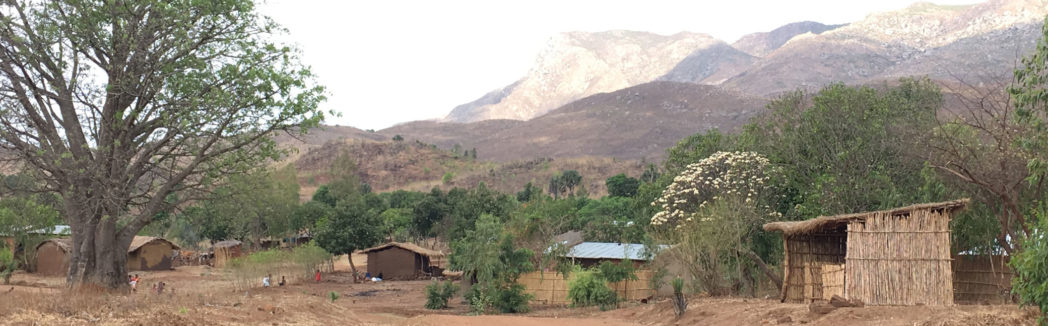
x,y
589,289
713,210
351,228
1031,266
496,268
398,138
622,186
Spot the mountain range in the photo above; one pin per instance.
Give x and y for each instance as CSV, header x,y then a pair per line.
x,y
630,95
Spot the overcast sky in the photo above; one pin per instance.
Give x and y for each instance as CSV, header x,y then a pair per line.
x,y
391,61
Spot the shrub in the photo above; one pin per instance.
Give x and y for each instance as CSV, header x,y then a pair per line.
x,y
1031,268
8,264
512,299
589,289
438,294
333,295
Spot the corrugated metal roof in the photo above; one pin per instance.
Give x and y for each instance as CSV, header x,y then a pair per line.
x,y
609,250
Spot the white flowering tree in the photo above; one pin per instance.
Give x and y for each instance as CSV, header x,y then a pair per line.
x,y
710,212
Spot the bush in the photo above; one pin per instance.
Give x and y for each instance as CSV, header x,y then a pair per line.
x,y
8,264
512,299
1031,268
438,294
589,289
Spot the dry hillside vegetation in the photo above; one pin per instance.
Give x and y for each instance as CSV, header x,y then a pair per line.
x,y
388,166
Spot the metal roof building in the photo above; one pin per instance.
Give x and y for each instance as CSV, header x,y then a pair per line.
x,y
594,252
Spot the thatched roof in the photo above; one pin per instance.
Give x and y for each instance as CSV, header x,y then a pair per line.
x,y
66,244
823,222
406,246
227,244
140,241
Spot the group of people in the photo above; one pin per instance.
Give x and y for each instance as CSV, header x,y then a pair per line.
x,y
266,280
158,287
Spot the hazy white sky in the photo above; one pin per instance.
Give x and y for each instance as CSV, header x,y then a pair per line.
x,y
391,61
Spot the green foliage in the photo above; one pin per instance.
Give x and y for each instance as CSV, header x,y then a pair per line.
x,y
590,289
1031,266
21,214
8,264
622,186
694,148
1031,103
495,267
396,223
251,206
847,149
438,294
398,138
512,298
610,219
617,272
352,227
333,296
530,192
448,176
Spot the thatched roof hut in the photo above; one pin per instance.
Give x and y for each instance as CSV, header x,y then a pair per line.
x,y
52,256
398,260
150,254
226,251
898,256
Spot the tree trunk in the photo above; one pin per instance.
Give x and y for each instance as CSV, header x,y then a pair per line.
x,y
764,267
352,267
99,252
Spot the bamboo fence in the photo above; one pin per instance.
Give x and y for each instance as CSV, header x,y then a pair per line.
x,y
807,256
900,259
552,288
982,279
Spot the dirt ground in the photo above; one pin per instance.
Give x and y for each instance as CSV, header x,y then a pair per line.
x,y
203,296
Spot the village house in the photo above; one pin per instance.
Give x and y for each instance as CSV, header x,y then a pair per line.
x,y
403,261
224,251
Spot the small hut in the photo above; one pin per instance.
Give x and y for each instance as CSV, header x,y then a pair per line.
x,y
396,260
899,256
150,254
226,251
52,257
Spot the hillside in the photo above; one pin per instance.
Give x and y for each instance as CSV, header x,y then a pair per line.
x,y
944,42
389,165
577,64
633,123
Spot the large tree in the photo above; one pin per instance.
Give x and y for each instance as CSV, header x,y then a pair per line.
x,y
119,104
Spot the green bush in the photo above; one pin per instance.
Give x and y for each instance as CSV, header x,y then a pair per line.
x,y
8,264
1031,268
589,289
438,294
512,299
333,296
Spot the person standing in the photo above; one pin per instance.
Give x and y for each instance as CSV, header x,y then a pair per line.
x,y
317,277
